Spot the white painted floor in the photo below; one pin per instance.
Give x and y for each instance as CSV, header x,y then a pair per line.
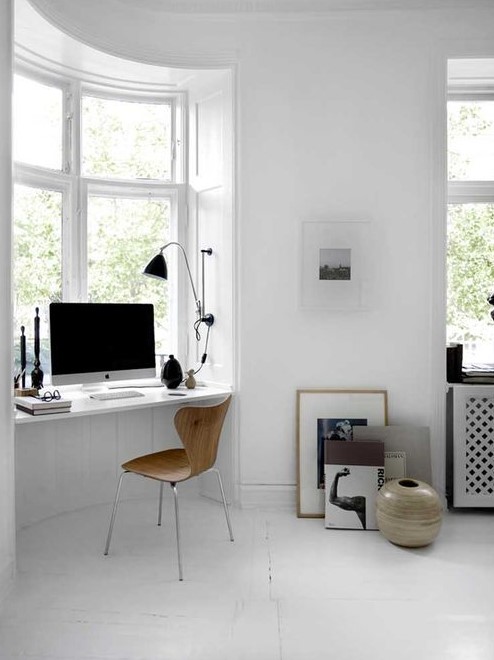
x,y
286,589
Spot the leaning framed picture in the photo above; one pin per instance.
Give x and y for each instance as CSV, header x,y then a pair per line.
x,y
335,271
329,414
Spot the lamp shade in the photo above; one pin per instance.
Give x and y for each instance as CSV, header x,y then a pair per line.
x,y
157,268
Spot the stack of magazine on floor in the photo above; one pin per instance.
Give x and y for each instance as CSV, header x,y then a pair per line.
x,y
35,406
354,473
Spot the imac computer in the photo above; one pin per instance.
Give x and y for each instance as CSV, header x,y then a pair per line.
x,y
101,342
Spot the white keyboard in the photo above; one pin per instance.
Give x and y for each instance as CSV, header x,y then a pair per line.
x,y
115,394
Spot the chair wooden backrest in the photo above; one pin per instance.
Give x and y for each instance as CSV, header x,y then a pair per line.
x,y
199,429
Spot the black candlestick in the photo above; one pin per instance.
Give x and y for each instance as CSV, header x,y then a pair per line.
x,y
36,373
23,357
36,334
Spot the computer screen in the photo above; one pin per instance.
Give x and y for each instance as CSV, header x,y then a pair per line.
x,y
101,342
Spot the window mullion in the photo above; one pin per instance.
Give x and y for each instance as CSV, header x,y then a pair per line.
x,y
67,279
75,241
75,129
471,192
80,250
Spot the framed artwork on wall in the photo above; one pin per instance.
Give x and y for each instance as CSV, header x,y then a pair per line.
x,y
335,273
329,414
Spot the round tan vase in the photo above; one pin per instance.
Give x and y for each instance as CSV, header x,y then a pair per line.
x,y
409,512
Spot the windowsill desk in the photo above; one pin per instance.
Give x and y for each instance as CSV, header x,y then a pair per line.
x,y
71,460
83,405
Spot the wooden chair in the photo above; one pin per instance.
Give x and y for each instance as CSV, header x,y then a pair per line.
x,y
199,429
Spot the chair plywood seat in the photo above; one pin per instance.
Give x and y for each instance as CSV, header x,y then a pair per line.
x,y
199,429
171,465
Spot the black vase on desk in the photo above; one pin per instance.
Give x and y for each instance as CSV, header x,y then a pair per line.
x,y
172,374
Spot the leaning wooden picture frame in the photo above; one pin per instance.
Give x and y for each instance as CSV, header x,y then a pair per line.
x,y
324,414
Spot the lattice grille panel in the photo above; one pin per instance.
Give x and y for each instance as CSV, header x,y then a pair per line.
x,y
479,449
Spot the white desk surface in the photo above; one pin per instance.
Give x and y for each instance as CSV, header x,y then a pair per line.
x,y
83,405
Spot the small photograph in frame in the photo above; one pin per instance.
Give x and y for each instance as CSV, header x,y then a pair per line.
x,y
335,270
333,429
335,412
335,264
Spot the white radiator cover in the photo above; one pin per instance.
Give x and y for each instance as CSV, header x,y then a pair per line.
x,y
473,446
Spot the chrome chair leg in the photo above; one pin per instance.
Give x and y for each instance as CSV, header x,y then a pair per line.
x,y
225,506
114,512
160,504
177,524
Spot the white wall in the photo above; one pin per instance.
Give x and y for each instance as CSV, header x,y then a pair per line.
x,y
335,121
6,428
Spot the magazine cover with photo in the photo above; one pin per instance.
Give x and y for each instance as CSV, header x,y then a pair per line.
x,y
333,429
354,473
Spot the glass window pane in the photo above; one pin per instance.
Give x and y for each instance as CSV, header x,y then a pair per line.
x,y
123,235
470,260
128,140
38,123
471,140
37,266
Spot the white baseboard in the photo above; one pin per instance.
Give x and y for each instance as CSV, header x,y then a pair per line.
x,y
267,496
7,575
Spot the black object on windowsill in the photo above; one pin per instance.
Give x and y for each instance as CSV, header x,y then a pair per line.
x,y
172,374
454,363
37,373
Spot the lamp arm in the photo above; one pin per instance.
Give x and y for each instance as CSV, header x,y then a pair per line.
x,y
197,301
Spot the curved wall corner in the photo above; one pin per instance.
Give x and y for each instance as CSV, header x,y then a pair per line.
x,y
143,35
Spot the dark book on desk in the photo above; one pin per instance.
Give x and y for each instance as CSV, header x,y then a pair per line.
x,y
36,406
48,411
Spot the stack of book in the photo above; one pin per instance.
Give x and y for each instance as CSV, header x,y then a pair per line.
x,y
35,406
478,373
354,473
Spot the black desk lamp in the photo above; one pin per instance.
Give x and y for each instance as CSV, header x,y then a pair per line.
x,y
157,268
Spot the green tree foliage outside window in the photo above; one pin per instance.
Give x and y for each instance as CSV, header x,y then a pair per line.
x,y
470,261
470,140
37,250
128,140
123,142
123,235
470,246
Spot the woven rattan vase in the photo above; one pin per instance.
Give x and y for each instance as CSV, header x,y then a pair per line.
x,y
409,512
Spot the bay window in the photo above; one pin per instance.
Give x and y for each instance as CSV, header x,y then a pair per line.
x,y
98,188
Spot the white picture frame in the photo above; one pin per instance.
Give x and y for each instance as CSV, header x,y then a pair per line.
x,y
334,265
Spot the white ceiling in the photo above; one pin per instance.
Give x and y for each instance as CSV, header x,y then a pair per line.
x,y
275,6
39,43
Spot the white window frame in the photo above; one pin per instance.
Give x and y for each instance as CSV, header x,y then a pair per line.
x,y
470,192
35,177
97,91
75,189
